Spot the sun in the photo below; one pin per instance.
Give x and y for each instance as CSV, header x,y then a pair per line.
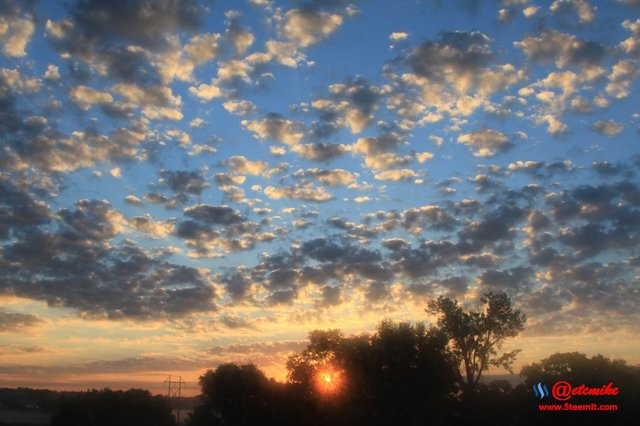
x,y
328,381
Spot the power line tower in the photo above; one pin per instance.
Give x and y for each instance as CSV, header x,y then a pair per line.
x,y
174,390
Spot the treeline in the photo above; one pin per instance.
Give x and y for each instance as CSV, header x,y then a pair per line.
x,y
402,374
30,399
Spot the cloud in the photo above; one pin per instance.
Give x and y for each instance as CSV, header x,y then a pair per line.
x,y
214,215
622,76
584,10
116,39
227,179
321,152
306,27
178,61
632,44
19,209
239,107
485,142
451,76
18,83
456,53
157,102
150,227
132,200
608,127
77,266
184,184
374,145
304,192
116,172
15,30
564,49
334,177
16,322
396,175
143,22
215,230
398,36
274,127
236,35
350,104
554,125
415,220
495,226
240,164
206,92
387,161
85,97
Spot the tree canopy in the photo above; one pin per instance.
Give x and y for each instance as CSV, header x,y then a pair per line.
x,y
134,407
476,337
400,374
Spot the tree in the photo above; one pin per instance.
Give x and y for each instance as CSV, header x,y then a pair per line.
x,y
579,369
134,407
475,337
401,374
232,395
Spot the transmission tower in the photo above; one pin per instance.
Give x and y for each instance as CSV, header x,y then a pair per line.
x,y
174,390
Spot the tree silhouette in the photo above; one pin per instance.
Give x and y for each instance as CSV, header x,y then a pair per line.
x,y
475,337
399,375
134,407
578,369
233,395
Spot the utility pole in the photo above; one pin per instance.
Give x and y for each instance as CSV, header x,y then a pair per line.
x,y
173,392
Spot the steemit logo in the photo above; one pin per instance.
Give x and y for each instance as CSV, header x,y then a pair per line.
x,y
540,390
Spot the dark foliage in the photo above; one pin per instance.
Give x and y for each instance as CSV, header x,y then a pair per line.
x,y
399,375
475,337
106,407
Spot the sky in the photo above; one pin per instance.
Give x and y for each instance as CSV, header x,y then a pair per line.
x,y
187,183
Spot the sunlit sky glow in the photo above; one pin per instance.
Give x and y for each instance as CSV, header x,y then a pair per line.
x,y
186,183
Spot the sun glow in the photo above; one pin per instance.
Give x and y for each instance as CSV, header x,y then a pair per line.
x,y
328,382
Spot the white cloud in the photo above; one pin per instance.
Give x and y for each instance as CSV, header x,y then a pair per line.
x,y
234,69
85,97
239,107
205,91
240,164
530,11
398,36
196,122
608,127
423,156
116,172
386,161
304,192
277,150
621,79
396,175
277,128
332,177
554,126
19,83
584,10
305,27
15,34
485,142
52,72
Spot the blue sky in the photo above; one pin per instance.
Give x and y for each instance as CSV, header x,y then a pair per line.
x,y
185,183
